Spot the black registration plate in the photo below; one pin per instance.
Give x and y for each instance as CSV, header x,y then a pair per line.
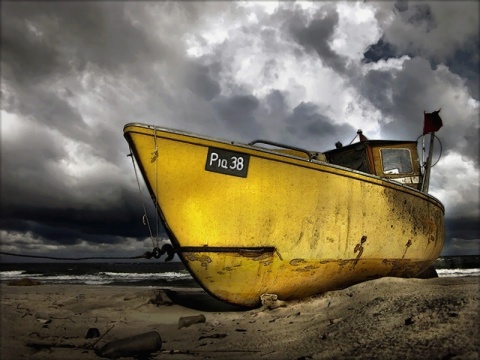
x,y
227,162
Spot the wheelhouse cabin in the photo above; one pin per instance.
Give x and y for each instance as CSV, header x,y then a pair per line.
x,y
390,159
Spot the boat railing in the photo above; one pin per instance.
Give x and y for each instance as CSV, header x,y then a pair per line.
x,y
311,155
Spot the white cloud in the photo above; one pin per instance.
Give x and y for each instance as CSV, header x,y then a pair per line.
x,y
455,180
356,31
10,126
267,7
386,65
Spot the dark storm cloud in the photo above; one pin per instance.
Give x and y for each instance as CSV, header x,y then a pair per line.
x,y
466,63
276,104
25,56
401,5
38,198
306,121
382,50
461,236
201,81
238,112
27,173
44,41
28,58
52,111
48,49
47,37
316,36
421,16
52,234
463,228
69,225
375,85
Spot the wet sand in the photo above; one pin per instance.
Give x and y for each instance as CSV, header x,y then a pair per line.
x,y
387,318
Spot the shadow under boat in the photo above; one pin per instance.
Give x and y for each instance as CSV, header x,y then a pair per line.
x,y
201,301
198,299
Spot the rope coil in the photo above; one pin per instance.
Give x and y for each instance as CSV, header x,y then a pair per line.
x,y
156,253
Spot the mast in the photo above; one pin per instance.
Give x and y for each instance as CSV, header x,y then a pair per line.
x,y
428,165
431,123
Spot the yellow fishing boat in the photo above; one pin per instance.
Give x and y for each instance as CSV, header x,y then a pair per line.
x,y
258,218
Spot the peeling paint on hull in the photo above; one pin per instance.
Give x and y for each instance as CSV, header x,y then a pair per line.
x,y
242,281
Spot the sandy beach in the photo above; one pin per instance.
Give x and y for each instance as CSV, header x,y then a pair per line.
x,y
387,318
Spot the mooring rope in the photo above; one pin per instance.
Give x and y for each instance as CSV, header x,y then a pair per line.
x,y
145,255
145,216
157,220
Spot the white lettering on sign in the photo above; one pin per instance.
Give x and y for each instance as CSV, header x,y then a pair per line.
x,y
227,162
233,163
213,158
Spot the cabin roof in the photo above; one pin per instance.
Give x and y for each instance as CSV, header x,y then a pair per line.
x,y
375,143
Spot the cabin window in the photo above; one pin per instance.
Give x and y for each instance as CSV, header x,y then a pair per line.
x,y
355,159
396,161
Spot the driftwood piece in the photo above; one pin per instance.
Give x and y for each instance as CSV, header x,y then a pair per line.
x,y
212,336
190,320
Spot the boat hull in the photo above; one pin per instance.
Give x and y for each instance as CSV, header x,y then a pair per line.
x,y
287,226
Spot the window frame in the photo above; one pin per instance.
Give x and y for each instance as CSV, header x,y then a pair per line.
x,y
396,149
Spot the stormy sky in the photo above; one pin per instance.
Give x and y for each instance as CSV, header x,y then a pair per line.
x,y
301,73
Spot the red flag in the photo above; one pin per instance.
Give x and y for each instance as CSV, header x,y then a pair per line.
x,y
432,122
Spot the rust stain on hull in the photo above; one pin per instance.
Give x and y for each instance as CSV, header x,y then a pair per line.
x,y
407,245
359,249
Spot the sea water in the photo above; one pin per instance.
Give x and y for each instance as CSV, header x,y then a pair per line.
x,y
135,274
172,274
